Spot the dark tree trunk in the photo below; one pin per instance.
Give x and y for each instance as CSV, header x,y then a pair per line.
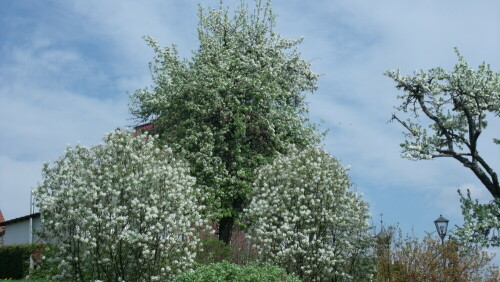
x,y
225,229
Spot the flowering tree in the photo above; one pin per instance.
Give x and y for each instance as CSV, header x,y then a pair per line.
x,y
123,210
457,105
308,221
232,107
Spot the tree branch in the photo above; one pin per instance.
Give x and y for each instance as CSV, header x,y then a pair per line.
x,y
404,124
420,98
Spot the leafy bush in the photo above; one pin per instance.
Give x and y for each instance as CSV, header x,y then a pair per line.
x,y
225,271
14,260
214,251
45,262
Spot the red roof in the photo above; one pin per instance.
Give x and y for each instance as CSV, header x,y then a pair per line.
x,y
1,220
145,127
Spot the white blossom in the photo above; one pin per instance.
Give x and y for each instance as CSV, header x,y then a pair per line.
x,y
112,210
305,218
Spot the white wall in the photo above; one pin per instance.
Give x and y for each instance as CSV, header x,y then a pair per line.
x,y
18,232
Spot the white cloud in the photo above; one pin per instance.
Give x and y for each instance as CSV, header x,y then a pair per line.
x,y
44,104
124,23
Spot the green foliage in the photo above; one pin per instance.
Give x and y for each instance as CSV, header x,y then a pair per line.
x,y
225,271
14,260
46,262
239,251
231,107
214,251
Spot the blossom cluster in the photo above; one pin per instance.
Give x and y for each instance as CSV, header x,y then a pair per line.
x,y
306,219
122,210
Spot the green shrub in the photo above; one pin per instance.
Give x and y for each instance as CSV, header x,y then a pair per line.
x,y
214,251
225,271
14,260
45,264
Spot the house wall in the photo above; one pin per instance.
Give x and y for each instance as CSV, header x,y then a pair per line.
x,y
18,232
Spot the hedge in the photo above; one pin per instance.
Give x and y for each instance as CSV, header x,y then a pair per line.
x,y
14,260
225,271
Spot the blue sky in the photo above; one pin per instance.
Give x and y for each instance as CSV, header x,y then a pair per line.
x,y
66,68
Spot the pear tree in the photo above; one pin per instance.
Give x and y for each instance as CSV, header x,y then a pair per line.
x,y
231,107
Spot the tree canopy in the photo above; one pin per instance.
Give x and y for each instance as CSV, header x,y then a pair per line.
x,y
232,106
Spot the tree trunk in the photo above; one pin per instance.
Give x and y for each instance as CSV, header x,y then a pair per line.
x,y
226,229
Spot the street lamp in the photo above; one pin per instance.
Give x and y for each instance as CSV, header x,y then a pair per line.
x,y
441,227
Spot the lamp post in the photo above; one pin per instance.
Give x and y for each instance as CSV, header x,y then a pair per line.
x,y
441,227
